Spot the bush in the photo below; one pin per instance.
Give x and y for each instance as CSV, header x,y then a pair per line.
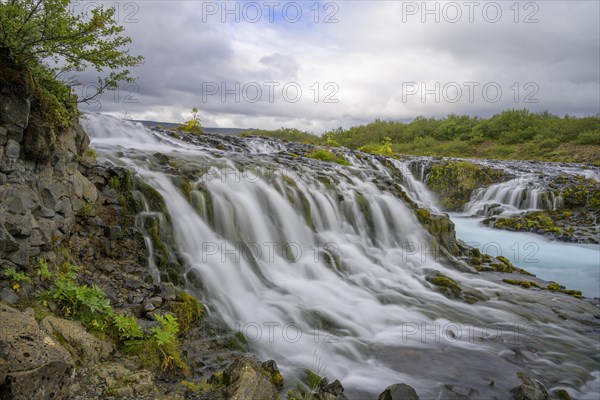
x,y
591,137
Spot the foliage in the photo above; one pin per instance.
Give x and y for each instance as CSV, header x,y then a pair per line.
x,y
193,125
128,331
86,303
511,134
45,39
385,149
165,339
92,153
43,270
114,182
329,156
16,278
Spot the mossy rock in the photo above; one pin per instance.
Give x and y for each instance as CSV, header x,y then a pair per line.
x,y
187,309
455,181
446,285
523,284
555,287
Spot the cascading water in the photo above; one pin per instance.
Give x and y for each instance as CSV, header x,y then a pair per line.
x,y
518,194
322,267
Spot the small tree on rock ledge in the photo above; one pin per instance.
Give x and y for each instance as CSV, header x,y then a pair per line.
x,y
45,39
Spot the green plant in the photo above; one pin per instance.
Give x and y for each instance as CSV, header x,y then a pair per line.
x,y
85,303
43,270
16,278
193,125
46,38
128,332
165,339
114,182
91,153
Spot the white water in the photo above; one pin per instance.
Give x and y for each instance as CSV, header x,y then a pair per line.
x,y
511,196
342,289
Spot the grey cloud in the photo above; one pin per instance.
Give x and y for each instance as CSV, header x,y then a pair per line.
x,y
369,54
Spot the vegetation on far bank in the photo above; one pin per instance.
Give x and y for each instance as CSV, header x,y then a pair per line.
x,y
511,134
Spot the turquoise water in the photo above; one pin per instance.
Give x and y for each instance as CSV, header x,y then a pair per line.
x,y
576,266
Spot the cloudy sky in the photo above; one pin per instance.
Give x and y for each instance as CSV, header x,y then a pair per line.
x,y
317,65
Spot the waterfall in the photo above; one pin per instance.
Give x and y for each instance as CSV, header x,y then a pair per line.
x,y
511,196
321,267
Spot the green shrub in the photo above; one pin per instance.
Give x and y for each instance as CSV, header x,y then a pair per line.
x,y
592,137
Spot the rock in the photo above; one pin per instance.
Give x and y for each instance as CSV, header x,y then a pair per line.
x,y
155,301
12,150
19,200
9,296
83,346
14,115
276,377
333,391
529,389
245,379
8,244
35,366
18,225
167,291
399,391
3,136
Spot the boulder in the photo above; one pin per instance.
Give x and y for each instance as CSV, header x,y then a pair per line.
x,y
34,366
399,391
245,379
529,389
86,348
332,391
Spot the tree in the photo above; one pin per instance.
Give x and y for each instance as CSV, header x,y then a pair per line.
x,y
44,38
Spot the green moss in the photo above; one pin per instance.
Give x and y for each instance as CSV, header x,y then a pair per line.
x,y
455,181
277,380
423,215
238,342
555,287
524,284
329,156
563,395
448,286
187,309
186,188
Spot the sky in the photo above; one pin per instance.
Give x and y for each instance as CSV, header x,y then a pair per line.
x,y
319,65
